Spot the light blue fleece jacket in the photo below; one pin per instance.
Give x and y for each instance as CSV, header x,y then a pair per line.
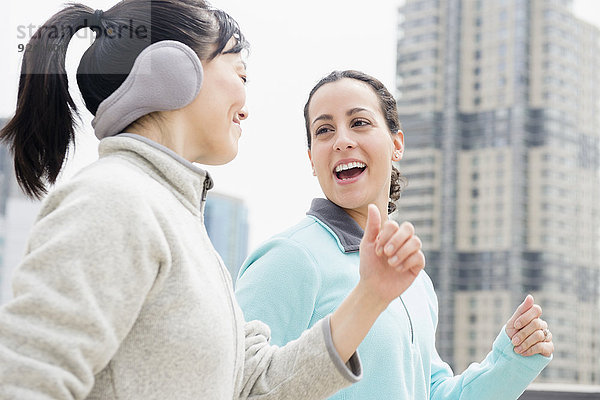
x,y
299,276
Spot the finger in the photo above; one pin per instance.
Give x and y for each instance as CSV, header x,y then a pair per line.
x,y
534,312
389,238
410,247
543,348
536,337
395,238
401,260
414,263
527,330
524,306
373,223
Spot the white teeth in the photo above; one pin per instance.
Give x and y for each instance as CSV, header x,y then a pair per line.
x,y
354,164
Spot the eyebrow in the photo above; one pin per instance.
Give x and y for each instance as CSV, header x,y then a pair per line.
x,y
329,117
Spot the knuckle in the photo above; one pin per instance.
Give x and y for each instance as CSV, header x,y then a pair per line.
x,y
408,227
518,336
392,224
419,242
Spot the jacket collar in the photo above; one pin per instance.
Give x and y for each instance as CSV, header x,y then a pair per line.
x,y
185,180
346,230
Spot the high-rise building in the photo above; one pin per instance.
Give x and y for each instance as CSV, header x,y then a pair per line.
x,y
226,220
500,105
17,215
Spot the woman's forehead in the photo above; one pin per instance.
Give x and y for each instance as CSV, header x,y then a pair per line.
x,y
345,93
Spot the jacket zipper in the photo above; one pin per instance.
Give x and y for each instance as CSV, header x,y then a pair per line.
x,y
412,334
205,185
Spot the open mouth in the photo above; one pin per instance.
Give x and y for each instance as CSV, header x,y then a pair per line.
x,y
348,171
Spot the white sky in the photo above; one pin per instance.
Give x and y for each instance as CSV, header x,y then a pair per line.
x,y
294,44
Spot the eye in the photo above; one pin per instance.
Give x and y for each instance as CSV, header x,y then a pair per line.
x,y
244,79
322,129
360,122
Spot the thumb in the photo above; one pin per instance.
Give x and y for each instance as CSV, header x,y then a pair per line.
x,y
373,225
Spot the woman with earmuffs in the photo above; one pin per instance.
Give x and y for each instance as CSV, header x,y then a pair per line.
x,y
120,294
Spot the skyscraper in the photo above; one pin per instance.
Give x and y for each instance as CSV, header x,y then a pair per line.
x,y
500,105
226,220
17,215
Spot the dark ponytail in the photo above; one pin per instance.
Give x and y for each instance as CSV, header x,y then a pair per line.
x,y
42,129
397,184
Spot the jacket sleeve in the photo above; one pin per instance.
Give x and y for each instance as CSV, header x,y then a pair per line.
x,y
278,285
306,368
93,256
503,374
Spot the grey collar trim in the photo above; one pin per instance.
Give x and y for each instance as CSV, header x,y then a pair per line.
x,y
347,230
187,182
177,157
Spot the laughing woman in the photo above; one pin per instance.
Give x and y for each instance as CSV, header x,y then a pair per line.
x,y
298,276
121,294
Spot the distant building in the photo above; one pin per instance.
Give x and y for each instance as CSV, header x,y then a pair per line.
x,y
226,220
17,215
500,105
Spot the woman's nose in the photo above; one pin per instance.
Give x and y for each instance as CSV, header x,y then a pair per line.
x,y
344,140
243,113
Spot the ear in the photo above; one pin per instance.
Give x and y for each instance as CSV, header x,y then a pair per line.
x,y
398,151
311,162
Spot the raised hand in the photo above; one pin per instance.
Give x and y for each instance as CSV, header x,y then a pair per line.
x,y
390,256
528,332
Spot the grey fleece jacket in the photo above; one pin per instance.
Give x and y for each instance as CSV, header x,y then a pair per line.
x,y
122,296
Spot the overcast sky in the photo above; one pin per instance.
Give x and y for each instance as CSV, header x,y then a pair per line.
x,y
293,45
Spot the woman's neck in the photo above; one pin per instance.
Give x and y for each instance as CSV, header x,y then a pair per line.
x,y
360,214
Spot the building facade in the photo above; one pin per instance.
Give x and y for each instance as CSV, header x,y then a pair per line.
x,y
500,106
226,220
17,215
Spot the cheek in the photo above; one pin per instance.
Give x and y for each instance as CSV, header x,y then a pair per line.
x,y
319,159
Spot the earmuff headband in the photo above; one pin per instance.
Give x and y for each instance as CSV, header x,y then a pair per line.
x,y
166,75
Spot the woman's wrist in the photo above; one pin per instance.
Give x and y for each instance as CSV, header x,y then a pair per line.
x,y
368,299
353,319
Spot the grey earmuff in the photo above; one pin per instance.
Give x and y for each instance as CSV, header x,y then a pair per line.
x,y
166,75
